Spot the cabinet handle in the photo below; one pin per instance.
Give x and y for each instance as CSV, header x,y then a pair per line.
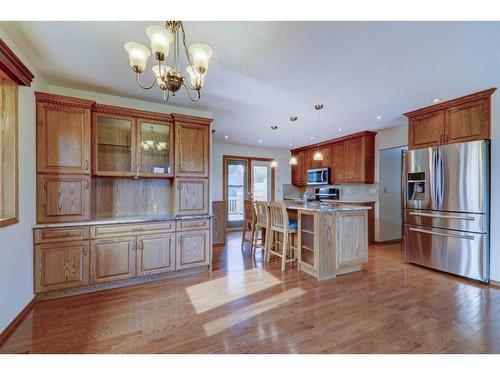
x,y
86,165
85,250
86,184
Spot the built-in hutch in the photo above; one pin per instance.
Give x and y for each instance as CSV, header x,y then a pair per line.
x,y
122,194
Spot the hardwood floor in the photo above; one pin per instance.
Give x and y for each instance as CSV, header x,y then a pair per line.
x,y
246,307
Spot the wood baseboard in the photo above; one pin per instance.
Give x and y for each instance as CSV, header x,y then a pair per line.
x,y
495,283
4,335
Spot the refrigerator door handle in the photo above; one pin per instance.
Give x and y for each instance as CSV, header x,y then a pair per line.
x,y
441,178
442,234
466,218
433,181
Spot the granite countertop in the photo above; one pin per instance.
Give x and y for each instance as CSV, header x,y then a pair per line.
x,y
331,200
323,207
122,220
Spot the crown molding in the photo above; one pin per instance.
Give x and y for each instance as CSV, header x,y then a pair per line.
x,y
44,97
13,67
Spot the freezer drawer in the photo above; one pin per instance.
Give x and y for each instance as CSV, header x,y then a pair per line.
x,y
461,253
448,220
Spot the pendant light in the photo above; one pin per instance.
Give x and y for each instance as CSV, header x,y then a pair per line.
x,y
293,159
274,163
318,156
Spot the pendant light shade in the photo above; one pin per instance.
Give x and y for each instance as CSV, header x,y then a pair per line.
x,y
318,156
293,160
274,164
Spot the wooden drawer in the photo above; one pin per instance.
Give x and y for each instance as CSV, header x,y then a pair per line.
x,y
61,234
184,225
106,231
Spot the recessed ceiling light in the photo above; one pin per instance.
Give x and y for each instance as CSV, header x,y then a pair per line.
x,y
260,140
226,137
340,129
379,117
436,100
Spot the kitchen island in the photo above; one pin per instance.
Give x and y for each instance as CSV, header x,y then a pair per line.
x,y
332,237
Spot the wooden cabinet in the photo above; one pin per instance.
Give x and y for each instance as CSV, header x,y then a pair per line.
x,y
115,139
468,122
338,163
63,134
155,254
61,265
112,259
351,159
193,249
298,171
459,120
63,198
426,130
191,150
155,148
191,196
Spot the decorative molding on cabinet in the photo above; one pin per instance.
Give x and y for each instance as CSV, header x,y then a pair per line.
x,y
13,67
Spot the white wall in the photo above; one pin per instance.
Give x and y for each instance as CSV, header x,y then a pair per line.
x,y
16,241
495,185
283,171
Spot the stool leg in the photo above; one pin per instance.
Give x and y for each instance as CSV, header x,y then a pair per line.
x,y
243,234
284,251
265,250
270,238
252,239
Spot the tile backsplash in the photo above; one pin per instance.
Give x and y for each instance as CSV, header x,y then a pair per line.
x,y
348,192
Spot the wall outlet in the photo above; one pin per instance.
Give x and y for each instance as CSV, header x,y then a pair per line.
x,y
155,208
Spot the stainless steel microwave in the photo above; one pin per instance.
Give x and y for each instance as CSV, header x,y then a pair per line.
x,y
317,176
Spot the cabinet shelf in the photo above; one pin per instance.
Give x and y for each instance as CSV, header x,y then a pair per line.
x,y
113,144
307,231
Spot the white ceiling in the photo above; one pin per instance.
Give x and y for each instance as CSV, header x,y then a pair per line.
x,y
264,72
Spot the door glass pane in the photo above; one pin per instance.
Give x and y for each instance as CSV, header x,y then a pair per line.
x,y
261,180
114,144
155,148
236,191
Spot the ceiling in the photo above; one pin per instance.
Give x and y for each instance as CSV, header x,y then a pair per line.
x,y
264,72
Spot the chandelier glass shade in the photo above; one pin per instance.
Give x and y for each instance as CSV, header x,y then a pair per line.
x,y
168,78
151,144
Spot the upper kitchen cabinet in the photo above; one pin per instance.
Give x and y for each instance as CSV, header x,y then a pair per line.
x,y
191,146
63,134
459,120
351,159
155,148
132,143
114,145
426,130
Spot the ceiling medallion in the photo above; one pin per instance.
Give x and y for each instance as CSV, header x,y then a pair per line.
x,y
170,79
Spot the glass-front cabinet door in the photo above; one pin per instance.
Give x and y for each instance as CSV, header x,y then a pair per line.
x,y
115,145
154,148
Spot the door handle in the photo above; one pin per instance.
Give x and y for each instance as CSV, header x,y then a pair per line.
x,y
466,218
442,234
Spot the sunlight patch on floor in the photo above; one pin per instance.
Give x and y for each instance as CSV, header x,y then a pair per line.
x,y
251,311
218,292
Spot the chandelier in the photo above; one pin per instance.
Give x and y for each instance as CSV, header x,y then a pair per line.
x,y
169,78
151,144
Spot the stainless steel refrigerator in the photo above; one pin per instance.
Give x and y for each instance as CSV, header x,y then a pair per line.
x,y
447,207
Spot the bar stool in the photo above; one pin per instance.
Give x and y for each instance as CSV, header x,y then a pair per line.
x,y
280,224
262,225
248,222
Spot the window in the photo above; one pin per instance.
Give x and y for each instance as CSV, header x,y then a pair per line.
x,y
8,152
12,74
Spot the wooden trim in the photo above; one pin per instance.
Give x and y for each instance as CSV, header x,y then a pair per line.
x,y
452,102
178,117
124,111
45,97
335,140
13,66
4,335
495,284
